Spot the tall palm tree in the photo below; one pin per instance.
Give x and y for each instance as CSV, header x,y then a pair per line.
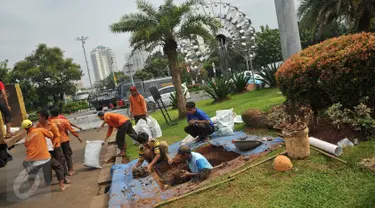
x,y
320,14
165,26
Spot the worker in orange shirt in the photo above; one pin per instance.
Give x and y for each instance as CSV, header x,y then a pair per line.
x,y
64,126
57,152
37,155
123,125
138,107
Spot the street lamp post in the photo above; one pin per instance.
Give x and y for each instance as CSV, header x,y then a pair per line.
x,y
83,41
129,65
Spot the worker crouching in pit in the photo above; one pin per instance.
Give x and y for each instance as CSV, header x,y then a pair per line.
x,y
152,151
199,166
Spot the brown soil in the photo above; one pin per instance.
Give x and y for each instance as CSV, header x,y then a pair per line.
x,y
216,155
327,132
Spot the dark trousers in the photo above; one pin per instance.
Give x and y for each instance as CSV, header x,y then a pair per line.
x,y
137,118
58,154
124,129
6,112
47,172
201,130
65,146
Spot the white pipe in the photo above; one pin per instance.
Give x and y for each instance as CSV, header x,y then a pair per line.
x,y
328,147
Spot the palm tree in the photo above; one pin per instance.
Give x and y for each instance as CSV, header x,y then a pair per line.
x,y
321,14
165,26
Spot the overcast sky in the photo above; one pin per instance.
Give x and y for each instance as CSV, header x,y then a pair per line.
x,y
26,23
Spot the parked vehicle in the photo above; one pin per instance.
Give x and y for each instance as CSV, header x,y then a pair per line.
x,y
258,79
165,93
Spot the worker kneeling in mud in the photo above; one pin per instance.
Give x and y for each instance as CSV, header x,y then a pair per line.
x,y
199,166
152,151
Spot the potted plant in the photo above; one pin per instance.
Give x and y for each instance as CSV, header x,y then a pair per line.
x,y
295,130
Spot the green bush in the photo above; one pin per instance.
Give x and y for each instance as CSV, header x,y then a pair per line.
x,y
359,118
173,99
219,90
268,74
239,82
338,70
72,107
194,88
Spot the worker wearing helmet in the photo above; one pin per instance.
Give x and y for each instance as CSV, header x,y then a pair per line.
x,y
65,126
151,150
123,126
138,107
37,156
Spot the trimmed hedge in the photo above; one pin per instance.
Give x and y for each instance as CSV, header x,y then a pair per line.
x,y
338,70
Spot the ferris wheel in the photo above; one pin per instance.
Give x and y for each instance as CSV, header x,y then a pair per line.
x,y
236,33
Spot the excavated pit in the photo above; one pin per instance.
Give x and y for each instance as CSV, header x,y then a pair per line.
x,y
171,175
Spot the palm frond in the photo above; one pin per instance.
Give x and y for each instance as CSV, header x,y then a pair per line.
x,y
268,74
132,22
148,9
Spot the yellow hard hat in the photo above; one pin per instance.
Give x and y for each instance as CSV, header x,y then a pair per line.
x,y
282,163
26,124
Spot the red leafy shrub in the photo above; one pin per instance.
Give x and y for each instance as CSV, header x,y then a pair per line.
x,y
340,70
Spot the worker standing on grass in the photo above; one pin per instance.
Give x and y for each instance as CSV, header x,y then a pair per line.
x,y
5,109
152,151
64,126
200,125
199,166
138,107
37,156
123,126
57,152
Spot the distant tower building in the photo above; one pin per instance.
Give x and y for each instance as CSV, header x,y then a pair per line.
x,y
103,62
137,61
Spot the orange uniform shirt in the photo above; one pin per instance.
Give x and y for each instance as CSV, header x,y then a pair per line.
x,y
63,126
35,143
114,120
138,105
50,126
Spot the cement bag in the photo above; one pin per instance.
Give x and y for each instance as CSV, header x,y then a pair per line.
x,y
154,127
225,122
92,154
142,126
49,144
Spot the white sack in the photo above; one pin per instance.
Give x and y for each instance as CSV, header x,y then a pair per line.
x,y
142,126
154,127
92,153
225,122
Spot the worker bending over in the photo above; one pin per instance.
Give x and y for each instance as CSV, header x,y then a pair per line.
x,y
57,153
138,106
37,156
65,126
199,166
123,125
200,125
152,151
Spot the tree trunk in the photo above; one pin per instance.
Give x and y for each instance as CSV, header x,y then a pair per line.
x,y
176,78
364,21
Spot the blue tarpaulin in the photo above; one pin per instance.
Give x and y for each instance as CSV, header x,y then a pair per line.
x,y
127,191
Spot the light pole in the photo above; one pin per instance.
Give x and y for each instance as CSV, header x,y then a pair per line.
x,y
83,41
129,65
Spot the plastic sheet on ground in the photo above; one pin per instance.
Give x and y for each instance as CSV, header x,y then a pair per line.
x,y
129,192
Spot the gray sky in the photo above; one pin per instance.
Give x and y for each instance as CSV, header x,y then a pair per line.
x,y
26,23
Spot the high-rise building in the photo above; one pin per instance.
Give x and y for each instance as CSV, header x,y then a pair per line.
x,y
137,61
103,62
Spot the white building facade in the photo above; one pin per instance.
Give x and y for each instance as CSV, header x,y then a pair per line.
x,y
103,62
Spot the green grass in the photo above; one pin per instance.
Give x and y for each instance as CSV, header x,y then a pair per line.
x,y
315,182
262,99
318,181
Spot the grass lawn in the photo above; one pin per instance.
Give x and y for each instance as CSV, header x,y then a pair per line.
x,y
315,182
262,99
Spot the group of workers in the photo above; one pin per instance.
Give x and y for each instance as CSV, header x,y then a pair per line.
x,y
153,151
54,126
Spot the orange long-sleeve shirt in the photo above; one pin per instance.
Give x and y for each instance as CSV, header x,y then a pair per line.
x,y
35,143
114,120
64,125
50,126
137,105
